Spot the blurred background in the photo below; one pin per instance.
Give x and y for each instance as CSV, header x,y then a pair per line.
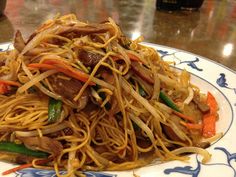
x,y
209,31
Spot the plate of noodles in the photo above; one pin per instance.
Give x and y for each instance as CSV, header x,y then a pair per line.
x,y
82,99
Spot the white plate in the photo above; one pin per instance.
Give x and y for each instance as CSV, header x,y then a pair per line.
x,y
209,76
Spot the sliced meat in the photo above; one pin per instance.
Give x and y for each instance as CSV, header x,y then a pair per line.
x,y
142,72
68,131
204,108
170,133
68,89
96,38
92,106
44,143
31,37
19,42
85,30
89,58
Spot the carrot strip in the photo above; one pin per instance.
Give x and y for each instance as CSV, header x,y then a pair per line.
x,y
209,119
183,116
12,83
12,170
62,67
68,70
41,66
211,101
191,125
209,125
3,88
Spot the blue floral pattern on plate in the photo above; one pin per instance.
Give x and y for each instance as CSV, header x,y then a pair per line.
x,y
222,82
192,63
194,172
32,172
222,78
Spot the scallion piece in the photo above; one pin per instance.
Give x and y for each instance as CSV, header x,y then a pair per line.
x,y
54,110
168,101
21,149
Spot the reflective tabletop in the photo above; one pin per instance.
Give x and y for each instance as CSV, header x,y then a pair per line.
x,y
209,31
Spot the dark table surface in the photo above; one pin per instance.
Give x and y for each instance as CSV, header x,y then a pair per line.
x,y
209,32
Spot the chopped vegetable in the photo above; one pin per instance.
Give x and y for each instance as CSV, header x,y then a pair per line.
x,y
101,96
136,127
209,119
188,118
192,125
168,101
10,83
54,110
62,67
141,91
21,149
12,170
41,66
5,86
142,72
211,102
208,125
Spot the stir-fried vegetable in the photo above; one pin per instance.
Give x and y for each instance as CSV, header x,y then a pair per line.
x,y
5,86
21,149
3,89
10,83
141,91
192,125
209,119
168,101
54,110
185,117
62,67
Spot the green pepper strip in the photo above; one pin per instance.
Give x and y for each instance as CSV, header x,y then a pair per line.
x,y
141,91
168,101
54,110
21,149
